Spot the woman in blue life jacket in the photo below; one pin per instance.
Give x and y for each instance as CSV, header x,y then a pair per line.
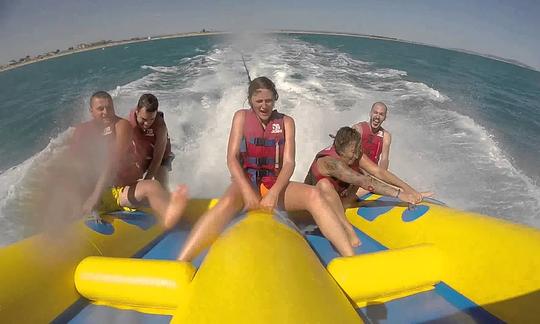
x,y
261,160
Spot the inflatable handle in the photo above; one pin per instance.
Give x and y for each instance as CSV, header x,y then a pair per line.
x,y
397,273
151,286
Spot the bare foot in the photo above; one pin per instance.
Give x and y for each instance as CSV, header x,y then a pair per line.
x,y
353,238
177,205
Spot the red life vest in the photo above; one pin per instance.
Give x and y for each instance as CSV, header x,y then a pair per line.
x,y
144,140
92,145
262,148
314,175
372,143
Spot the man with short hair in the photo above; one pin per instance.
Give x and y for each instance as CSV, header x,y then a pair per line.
x,y
103,147
375,139
151,139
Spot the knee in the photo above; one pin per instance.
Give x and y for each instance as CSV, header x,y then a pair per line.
x,y
315,195
325,185
150,186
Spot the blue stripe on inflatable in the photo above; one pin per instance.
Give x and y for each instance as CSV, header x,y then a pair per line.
x,y
466,305
442,305
372,209
413,213
138,218
425,307
71,312
326,252
101,314
322,247
169,247
99,226
364,197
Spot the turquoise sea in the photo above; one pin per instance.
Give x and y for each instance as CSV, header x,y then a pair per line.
x,y
463,126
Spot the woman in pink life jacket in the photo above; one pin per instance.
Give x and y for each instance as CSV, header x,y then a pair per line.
x,y
338,172
261,160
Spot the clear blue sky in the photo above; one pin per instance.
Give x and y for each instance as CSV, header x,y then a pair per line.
x,y
507,29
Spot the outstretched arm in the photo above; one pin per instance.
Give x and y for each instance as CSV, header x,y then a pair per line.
x,y
387,176
338,169
343,172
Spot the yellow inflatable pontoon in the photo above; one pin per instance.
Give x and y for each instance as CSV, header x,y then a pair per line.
x,y
428,264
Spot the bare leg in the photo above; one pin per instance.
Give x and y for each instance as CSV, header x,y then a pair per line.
x,y
330,194
211,223
177,205
162,175
299,196
168,207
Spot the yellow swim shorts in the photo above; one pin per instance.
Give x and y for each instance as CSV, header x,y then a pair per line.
x,y
110,201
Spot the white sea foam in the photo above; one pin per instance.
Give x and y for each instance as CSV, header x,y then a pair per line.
x,y
20,184
162,69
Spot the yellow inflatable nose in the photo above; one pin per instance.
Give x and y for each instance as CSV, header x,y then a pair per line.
x,y
258,271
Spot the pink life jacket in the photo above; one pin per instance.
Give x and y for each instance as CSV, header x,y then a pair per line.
x,y
314,175
262,148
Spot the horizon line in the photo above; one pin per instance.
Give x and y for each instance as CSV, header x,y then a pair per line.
x,y
139,39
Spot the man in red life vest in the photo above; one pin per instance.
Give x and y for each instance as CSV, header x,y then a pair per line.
x,y
375,139
151,139
336,172
104,152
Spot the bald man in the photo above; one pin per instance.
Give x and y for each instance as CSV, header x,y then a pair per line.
x,y
375,139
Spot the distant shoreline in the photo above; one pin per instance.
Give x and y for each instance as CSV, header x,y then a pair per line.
x,y
92,47
95,46
460,50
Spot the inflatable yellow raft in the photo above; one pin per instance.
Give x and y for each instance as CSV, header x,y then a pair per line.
x,y
429,264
